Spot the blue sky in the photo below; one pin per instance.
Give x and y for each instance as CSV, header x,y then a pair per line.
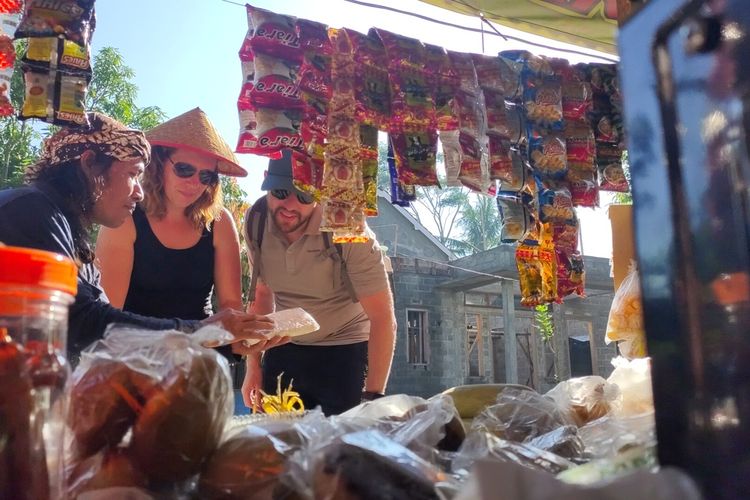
x,y
184,54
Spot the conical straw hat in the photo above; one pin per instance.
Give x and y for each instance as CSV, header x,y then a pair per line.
x,y
194,132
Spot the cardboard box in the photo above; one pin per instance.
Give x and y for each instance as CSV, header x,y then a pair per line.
x,y
623,246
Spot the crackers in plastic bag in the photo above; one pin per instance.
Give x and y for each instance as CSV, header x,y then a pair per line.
x,y
275,130
548,154
514,216
543,102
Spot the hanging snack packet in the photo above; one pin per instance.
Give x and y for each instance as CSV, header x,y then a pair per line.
x,y
415,154
445,84
612,176
273,34
565,235
6,106
463,67
555,205
489,72
468,111
515,178
56,53
10,6
74,19
514,216
55,98
371,81
275,84
368,139
313,36
571,274
580,146
543,102
576,101
529,273
497,116
470,173
501,162
548,154
7,52
341,216
275,130
451,156
412,104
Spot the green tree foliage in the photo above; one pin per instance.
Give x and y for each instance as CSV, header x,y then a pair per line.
x,y
479,225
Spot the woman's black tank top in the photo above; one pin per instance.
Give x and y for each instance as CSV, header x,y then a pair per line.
x,y
169,283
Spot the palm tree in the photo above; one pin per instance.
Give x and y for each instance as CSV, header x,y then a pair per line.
x,y
480,226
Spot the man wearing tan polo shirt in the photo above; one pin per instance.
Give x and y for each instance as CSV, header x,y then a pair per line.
x,y
349,358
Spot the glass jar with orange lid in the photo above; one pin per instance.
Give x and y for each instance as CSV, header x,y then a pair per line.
x,y
36,289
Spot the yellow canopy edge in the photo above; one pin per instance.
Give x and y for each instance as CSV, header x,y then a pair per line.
x,y
584,23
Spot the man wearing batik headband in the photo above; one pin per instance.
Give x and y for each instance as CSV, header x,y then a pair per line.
x,y
350,357
85,178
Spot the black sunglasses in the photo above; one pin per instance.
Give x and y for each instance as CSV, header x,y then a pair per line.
x,y
185,171
283,194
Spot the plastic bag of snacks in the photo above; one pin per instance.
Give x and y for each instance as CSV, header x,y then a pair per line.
x,y
170,394
625,324
273,34
55,97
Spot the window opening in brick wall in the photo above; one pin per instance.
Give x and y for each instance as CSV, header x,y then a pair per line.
x,y
417,337
474,346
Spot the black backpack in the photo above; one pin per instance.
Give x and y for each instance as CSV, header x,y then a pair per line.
x,y
255,223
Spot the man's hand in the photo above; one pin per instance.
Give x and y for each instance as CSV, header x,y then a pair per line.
x,y
242,325
252,384
244,349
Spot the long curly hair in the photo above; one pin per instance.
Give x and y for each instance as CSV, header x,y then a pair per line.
x,y
201,213
78,195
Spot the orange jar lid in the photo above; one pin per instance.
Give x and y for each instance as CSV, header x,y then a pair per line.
x,y
28,267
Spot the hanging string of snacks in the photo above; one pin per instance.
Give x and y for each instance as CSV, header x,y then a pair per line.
x,y
56,65
540,135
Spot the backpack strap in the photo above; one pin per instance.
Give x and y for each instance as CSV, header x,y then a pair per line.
x,y
255,225
335,251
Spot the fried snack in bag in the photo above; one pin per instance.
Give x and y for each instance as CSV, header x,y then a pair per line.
x,y
612,176
584,193
543,102
489,72
342,174
625,324
6,106
548,154
273,34
529,273
514,179
415,154
565,235
340,216
468,111
463,67
497,114
307,173
570,274
555,204
74,19
371,80
55,97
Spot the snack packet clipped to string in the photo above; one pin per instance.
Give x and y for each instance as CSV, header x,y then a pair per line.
x,y
273,34
489,72
543,102
371,82
415,154
412,104
314,79
529,273
609,165
571,274
463,67
73,19
514,179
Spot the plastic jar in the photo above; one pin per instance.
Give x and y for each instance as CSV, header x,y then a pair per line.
x,y
36,289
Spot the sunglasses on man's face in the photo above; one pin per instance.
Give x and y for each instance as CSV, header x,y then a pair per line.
x,y
283,194
185,171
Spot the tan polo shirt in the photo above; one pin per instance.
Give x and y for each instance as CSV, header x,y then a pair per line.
x,y
302,275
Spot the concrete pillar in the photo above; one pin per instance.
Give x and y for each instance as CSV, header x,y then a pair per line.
x,y
509,321
560,339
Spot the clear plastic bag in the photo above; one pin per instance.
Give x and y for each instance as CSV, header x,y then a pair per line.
x,y
586,398
156,397
625,324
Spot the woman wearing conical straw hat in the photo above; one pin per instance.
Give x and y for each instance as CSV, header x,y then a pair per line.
x,y
181,245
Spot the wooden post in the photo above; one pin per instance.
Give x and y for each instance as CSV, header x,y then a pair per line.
x,y
509,322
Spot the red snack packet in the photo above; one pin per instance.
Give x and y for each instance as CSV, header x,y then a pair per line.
x,y
273,34
580,146
571,274
415,154
7,52
10,6
470,173
468,111
6,107
307,173
584,193
577,101
565,236
489,72
275,84
371,82
275,130
313,36
497,116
